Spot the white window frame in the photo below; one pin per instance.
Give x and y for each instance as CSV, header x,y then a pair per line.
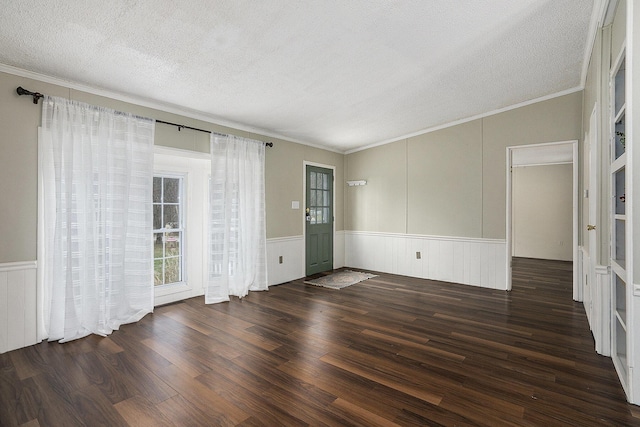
x,y
182,206
196,168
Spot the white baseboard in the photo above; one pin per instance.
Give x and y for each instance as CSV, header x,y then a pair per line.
x,y
18,311
470,261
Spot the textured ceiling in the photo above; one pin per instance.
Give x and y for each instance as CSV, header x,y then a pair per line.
x,y
337,73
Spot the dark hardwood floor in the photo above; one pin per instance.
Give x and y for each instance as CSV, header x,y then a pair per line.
x,y
392,350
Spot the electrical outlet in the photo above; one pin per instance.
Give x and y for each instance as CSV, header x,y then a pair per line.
x,y
280,259
418,255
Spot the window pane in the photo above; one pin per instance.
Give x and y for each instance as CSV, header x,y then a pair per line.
x,y
326,199
158,261
325,181
312,202
157,245
171,190
157,217
172,270
325,215
319,216
171,216
157,272
172,244
157,189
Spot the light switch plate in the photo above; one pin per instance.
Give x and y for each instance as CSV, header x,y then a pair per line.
x,y
295,204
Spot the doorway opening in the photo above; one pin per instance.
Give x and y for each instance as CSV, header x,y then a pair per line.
x,y
547,154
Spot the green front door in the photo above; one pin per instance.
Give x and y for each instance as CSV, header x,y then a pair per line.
x,y
319,220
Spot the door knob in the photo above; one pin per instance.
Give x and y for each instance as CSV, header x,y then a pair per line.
x,y
591,227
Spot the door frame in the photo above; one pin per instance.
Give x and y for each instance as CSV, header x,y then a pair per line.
x,y
577,291
306,163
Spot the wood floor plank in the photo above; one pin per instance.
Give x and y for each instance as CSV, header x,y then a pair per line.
x,y
112,382
536,355
179,358
181,412
359,390
96,408
359,416
249,398
412,390
374,324
148,384
138,411
219,410
55,403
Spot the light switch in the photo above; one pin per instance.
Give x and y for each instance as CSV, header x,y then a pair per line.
x,y
295,204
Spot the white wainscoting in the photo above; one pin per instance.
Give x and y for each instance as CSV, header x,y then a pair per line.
x,y
17,305
596,298
291,249
338,249
602,310
476,262
584,264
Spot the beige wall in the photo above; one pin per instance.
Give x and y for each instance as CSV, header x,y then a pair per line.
x,y
381,205
542,212
445,166
284,177
452,182
558,119
19,119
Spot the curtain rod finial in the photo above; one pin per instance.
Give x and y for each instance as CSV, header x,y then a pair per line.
x,y
36,95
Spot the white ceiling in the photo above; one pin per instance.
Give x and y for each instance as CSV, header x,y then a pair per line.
x,y
342,74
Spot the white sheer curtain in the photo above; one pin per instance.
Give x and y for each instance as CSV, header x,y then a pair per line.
x,y
96,183
237,230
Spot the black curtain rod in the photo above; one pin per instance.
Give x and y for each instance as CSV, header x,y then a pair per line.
x,y
180,127
37,95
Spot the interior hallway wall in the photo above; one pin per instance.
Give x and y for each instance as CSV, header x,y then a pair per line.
x,y
542,213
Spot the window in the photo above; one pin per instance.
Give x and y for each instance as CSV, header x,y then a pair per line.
x,y
168,229
320,198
